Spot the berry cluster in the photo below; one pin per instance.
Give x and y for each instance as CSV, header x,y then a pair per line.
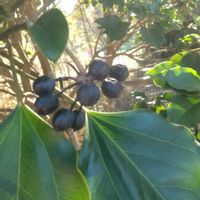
x,y
87,93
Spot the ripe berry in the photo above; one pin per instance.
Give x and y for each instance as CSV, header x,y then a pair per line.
x,y
46,104
88,94
63,119
43,85
98,69
111,88
79,120
119,72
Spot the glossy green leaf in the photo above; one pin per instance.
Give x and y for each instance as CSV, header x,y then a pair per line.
x,y
153,35
50,32
159,68
158,73
37,163
183,78
187,59
178,57
139,155
113,26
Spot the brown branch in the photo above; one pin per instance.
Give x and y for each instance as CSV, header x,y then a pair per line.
x,y
75,60
5,66
19,27
85,30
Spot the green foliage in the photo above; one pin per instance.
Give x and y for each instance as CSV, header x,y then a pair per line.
x,y
35,162
153,35
188,40
172,75
158,73
3,13
50,32
110,3
139,155
126,155
184,109
183,79
113,26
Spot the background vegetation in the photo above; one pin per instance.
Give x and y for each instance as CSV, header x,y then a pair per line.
x,y
138,154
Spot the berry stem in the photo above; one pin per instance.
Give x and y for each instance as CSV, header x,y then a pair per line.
x,y
67,88
76,61
73,67
70,135
80,108
73,104
65,78
14,73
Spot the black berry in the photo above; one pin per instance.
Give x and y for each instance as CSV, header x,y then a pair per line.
x,y
111,88
63,119
46,104
98,69
88,94
43,85
119,72
79,120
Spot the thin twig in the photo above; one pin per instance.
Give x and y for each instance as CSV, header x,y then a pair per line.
x,y
66,78
14,73
73,67
19,27
75,60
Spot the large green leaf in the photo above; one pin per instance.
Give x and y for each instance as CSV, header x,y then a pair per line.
x,y
35,162
50,32
138,155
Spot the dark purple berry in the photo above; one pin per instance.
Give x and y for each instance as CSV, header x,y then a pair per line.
x,y
43,85
63,119
46,104
119,72
111,88
79,120
98,69
88,94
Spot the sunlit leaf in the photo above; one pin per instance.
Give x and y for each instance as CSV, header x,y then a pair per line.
x,y
183,78
158,73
